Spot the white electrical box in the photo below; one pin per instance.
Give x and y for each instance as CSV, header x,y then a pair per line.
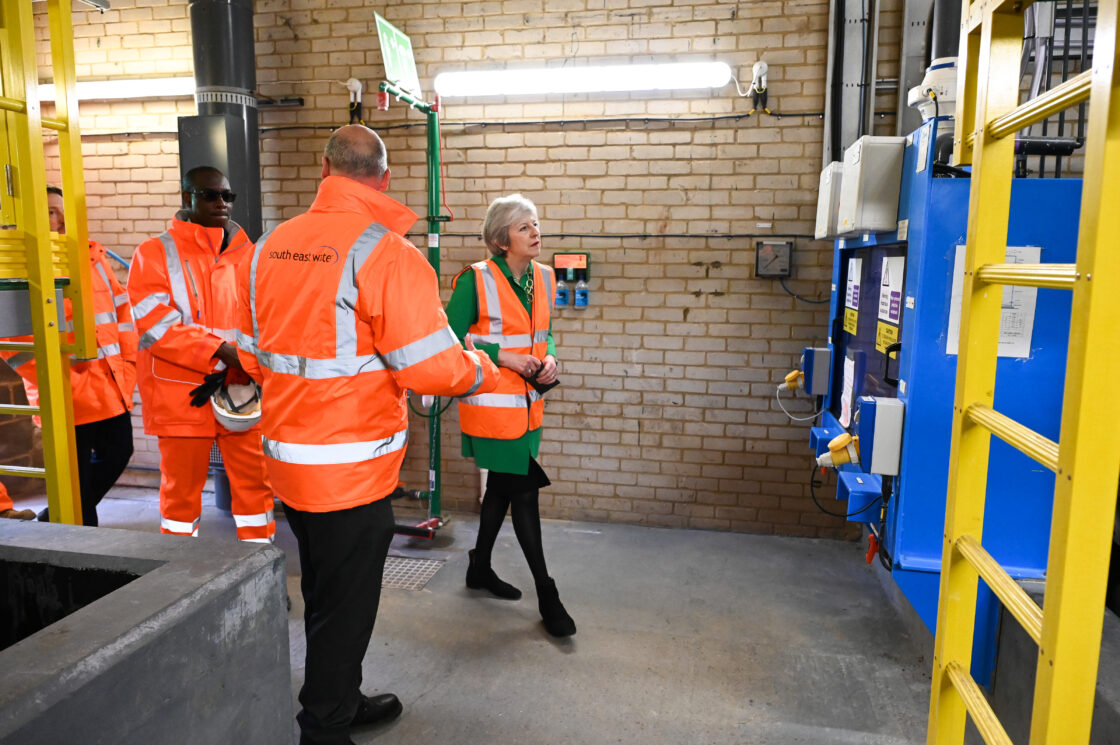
x,y
870,186
828,200
816,365
880,434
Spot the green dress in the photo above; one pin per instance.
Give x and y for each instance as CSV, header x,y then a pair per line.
x,y
505,456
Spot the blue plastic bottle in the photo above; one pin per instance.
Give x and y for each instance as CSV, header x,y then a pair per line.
x,y
582,294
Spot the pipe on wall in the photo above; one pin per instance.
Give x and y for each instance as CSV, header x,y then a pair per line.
x,y
225,74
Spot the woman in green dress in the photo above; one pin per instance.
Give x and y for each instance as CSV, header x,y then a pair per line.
x,y
503,305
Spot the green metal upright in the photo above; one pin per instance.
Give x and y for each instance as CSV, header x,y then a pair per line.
x,y
434,218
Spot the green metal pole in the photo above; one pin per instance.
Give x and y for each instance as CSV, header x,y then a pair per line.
x,y
435,506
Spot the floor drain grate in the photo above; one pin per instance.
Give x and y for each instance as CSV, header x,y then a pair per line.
x,y
404,573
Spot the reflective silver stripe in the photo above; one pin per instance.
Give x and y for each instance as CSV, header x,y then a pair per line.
x,y
319,369
66,326
225,334
126,327
108,350
506,341
478,377
501,400
549,283
156,332
119,300
104,276
106,317
258,520
245,342
334,454
176,279
257,251
541,337
181,528
21,359
346,298
150,303
257,540
493,302
422,349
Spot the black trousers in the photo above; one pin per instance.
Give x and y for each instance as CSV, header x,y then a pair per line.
x,y
104,449
342,557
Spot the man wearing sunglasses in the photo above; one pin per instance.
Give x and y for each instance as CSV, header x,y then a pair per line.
x,y
183,289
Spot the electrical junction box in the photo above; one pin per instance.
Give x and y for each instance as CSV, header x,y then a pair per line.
x,y
828,200
870,186
880,434
816,364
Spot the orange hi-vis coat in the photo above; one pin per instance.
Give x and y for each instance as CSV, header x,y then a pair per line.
x,y
342,315
102,387
514,407
184,298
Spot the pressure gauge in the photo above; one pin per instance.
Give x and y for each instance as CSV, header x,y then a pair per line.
x,y
771,258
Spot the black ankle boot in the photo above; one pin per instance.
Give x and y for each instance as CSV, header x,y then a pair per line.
x,y
556,620
482,577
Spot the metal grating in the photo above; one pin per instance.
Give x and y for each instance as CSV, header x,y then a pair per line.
x,y
404,573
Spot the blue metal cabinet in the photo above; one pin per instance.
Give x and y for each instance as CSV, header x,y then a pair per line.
x,y
932,215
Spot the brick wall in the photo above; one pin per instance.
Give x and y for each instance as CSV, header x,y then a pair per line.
x,y
666,415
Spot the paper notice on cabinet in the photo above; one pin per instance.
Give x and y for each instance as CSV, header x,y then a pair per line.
x,y
1017,320
855,277
890,288
846,394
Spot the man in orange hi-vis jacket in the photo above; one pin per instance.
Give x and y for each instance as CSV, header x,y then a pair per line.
x,y
101,386
343,314
183,286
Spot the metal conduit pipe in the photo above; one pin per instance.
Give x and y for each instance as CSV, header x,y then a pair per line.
x,y
945,38
225,131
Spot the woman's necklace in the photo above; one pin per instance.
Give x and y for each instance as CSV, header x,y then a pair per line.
x,y
528,286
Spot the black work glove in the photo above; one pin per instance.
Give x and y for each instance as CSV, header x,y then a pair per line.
x,y
541,388
200,396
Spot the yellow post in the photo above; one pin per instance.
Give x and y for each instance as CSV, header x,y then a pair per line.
x,y
1089,452
996,58
25,130
73,181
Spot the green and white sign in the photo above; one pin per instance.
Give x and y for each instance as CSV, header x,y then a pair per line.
x,y
396,53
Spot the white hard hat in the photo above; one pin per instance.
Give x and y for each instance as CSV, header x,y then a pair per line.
x,y
237,407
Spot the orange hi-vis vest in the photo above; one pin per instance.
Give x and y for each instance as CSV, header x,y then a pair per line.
x,y
102,387
341,315
184,298
514,407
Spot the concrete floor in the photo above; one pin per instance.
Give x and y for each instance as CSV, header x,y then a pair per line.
x,y
684,637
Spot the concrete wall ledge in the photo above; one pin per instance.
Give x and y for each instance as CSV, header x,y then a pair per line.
x,y
193,650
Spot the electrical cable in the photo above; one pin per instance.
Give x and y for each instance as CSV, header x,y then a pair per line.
x,y
813,493
791,293
778,395
643,236
450,400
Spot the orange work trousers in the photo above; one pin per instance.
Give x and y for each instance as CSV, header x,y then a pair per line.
x,y
5,500
183,465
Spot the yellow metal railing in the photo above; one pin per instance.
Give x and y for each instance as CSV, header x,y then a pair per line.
x,y
1086,459
30,252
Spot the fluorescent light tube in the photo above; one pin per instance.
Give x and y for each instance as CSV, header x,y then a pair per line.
x,y
104,90
584,79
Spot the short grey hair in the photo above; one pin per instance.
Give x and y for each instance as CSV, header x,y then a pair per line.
x,y
356,156
503,213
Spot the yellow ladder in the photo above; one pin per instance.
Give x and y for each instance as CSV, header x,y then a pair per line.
x,y
29,251
1087,458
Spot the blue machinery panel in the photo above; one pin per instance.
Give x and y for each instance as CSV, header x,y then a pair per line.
x,y
1028,389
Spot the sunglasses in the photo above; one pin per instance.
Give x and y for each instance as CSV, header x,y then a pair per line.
x,y
211,195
